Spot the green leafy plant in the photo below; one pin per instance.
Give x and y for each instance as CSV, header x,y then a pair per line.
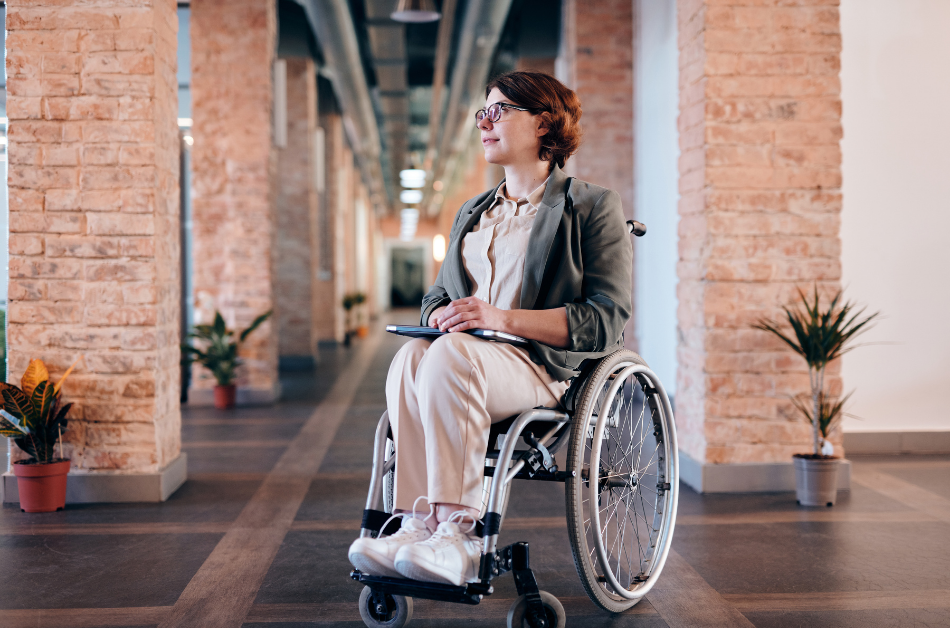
x,y
830,411
820,335
31,414
219,349
351,300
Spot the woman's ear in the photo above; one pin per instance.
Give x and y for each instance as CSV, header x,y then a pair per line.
x,y
543,127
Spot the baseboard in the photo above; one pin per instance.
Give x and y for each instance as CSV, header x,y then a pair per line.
x,y
753,477
895,443
296,363
204,397
113,487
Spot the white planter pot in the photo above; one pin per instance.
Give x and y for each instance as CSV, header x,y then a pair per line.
x,y
816,481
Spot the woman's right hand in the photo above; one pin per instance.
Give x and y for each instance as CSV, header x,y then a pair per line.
x,y
435,317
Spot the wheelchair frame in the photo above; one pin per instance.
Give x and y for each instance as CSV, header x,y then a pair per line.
x,y
535,463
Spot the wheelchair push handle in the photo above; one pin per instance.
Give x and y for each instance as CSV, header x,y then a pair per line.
x,y
636,228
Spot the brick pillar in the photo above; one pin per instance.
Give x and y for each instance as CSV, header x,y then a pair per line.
x,y
760,184
296,212
94,223
233,166
597,60
330,285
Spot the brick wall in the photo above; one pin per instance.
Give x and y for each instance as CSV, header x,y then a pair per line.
x,y
94,220
328,289
760,179
296,212
233,175
598,65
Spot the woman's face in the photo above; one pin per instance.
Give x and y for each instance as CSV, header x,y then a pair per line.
x,y
515,138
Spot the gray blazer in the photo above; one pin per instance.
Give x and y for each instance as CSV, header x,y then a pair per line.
x,y
579,257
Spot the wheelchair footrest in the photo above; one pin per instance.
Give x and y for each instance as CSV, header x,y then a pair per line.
x,y
469,594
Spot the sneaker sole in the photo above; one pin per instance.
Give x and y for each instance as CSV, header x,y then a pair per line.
x,y
371,565
416,572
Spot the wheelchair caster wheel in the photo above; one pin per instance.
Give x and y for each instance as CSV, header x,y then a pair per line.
x,y
519,617
394,612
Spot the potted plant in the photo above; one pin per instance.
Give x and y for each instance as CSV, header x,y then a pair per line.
x,y
354,300
220,355
32,417
820,336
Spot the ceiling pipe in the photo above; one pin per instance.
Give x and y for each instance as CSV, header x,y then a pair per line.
x,y
481,29
333,25
442,49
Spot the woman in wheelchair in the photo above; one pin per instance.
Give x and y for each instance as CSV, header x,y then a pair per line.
x,y
542,256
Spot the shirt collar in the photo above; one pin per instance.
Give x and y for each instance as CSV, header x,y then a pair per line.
x,y
533,199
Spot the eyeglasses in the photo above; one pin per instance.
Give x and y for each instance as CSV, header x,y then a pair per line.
x,y
493,113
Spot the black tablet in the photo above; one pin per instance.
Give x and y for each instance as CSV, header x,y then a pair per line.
x,y
433,333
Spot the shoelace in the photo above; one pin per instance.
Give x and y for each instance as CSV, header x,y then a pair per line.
x,y
402,515
442,537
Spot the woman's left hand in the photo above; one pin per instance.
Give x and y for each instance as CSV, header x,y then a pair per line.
x,y
472,313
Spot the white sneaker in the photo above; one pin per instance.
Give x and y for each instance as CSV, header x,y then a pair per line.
x,y
375,556
449,556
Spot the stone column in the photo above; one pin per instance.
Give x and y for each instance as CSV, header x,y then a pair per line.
x,y
597,63
233,166
330,285
94,220
296,212
760,184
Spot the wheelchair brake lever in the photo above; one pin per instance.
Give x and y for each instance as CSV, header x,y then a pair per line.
x,y
547,459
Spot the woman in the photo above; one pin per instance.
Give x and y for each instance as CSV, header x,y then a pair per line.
x,y
542,256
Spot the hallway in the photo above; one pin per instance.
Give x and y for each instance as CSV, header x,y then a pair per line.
x,y
258,535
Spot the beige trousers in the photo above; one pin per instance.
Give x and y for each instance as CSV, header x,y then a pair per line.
x,y
442,398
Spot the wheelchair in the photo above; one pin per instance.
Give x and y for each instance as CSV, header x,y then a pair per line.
x,y
621,489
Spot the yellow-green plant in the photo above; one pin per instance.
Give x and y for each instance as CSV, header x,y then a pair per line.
x,y
31,414
820,336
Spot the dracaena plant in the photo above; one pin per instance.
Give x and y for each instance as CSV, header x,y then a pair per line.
x,y
219,349
31,414
820,335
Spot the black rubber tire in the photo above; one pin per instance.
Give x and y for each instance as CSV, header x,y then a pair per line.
x,y
553,609
400,610
576,490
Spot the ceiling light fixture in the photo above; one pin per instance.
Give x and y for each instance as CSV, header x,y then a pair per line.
x,y
410,197
415,11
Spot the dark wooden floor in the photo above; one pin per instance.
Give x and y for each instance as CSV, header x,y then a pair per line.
x,y
258,536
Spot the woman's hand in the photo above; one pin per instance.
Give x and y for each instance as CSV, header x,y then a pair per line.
x,y
435,316
472,313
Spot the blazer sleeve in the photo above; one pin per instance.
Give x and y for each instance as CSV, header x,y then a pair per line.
x,y
434,298
437,296
597,319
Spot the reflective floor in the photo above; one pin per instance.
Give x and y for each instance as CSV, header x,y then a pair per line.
x,y
258,536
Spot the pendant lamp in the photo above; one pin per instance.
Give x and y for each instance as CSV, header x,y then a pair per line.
x,y
415,11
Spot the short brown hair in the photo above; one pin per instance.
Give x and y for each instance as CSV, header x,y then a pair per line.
x,y
557,104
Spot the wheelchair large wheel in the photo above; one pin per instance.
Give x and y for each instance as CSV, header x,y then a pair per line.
x,y
621,502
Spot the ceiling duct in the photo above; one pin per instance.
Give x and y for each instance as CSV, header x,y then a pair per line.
x,y
481,28
333,24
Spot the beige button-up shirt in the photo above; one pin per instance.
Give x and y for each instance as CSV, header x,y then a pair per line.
x,y
493,252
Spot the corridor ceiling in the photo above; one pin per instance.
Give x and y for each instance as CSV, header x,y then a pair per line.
x,y
408,91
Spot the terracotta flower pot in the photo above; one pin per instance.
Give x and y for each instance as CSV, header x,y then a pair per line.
x,y
42,487
224,396
816,480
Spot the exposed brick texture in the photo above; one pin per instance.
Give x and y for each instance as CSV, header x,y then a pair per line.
x,y
330,286
297,213
760,185
94,220
233,174
599,60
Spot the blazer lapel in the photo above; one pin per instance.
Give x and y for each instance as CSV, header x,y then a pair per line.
x,y
470,219
542,237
